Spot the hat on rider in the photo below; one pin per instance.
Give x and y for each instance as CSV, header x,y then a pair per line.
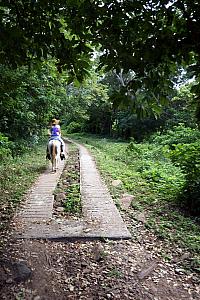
x,y
53,121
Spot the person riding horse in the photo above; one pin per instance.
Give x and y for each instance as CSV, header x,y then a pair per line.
x,y
55,134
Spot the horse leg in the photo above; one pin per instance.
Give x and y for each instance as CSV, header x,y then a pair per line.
x,y
55,165
52,163
54,158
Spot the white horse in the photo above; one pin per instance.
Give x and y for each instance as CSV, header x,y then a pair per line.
x,y
54,150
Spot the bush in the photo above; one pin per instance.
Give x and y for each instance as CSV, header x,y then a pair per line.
x,y
19,147
187,157
178,135
5,147
73,127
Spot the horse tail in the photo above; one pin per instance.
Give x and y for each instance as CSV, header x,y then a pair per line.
x,y
53,150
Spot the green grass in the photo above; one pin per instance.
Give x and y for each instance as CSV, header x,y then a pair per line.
x,y
153,180
73,202
114,272
69,183
16,177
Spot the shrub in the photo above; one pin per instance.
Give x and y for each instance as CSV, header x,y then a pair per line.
x,y
5,146
19,147
178,135
187,157
73,127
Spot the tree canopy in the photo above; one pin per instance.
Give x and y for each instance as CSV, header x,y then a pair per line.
x,y
137,35
150,38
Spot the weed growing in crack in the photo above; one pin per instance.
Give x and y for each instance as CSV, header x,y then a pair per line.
x,y
72,203
67,194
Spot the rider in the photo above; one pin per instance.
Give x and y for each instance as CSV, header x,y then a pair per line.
x,y
55,134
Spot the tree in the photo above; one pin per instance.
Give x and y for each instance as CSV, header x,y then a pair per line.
x,y
29,100
150,37
181,109
136,35
87,106
38,29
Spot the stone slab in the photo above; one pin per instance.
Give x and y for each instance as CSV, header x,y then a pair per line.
x,y
101,218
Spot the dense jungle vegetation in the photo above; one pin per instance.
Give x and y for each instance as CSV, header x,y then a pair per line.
x,y
122,70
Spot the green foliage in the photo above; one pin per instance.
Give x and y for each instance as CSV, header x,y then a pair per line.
x,y
71,182
72,203
28,102
53,33
174,226
16,176
155,169
187,157
126,124
87,107
20,146
144,168
181,145
150,40
181,109
153,180
176,135
5,147
73,127
114,272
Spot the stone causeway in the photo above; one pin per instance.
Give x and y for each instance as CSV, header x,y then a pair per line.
x,y
100,216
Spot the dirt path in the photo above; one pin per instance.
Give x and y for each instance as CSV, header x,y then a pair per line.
x,y
95,269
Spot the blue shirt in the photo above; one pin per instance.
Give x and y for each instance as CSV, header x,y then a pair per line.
x,y
55,131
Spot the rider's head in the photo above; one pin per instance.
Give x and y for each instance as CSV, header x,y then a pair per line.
x,y
53,121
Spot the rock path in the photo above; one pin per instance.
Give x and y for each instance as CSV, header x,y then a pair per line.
x,y
101,219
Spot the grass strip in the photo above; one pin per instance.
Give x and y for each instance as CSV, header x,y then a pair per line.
x,y
69,185
155,183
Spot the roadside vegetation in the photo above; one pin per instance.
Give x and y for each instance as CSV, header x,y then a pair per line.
x,y
17,174
158,185
67,193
